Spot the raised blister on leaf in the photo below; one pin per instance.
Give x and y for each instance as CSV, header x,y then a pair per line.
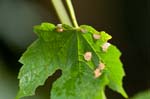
x,y
101,66
83,30
105,46
98,70
97,73
96,36
88,56
59,28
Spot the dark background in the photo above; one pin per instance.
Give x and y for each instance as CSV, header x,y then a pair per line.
x,y
126,20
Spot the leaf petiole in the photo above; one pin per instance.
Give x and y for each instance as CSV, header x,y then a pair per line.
x,y
72,13
61,12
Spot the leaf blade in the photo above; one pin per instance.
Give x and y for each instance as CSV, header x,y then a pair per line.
x,y
65,50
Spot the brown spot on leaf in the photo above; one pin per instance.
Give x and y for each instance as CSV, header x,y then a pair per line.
x,y
105,46
59,28
88,56
101,66
97,73
83,30
96,36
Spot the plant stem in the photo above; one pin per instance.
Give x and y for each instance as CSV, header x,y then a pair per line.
x,y
72,13
61,12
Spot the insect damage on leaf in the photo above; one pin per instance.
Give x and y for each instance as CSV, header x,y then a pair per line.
x,y
105,46
101,66
96,36
97,73
59,28
83,30
99,69
88,56
78,53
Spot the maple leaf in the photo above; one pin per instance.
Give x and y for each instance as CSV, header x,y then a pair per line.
x,y
78,53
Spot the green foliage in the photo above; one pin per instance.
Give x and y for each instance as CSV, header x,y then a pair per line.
x,y
142,95
64,47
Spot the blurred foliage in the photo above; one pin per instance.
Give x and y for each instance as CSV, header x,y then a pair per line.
x,y
8,83
142,95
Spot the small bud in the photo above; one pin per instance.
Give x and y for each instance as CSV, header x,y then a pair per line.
x,y
101,66
97,73
59,28
96,36
88,56
105,46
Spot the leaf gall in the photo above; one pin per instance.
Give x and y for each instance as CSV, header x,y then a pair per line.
x,y
97,73
88,56
96,36
105,46
59,28
101,66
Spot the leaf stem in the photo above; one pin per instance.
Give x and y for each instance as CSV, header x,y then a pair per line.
x,y
72,13
61,12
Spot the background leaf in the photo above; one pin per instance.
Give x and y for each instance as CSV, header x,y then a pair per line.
x,y
142,95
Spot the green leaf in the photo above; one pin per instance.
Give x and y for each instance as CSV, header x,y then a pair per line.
x,y
142,95
65,50
115,71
